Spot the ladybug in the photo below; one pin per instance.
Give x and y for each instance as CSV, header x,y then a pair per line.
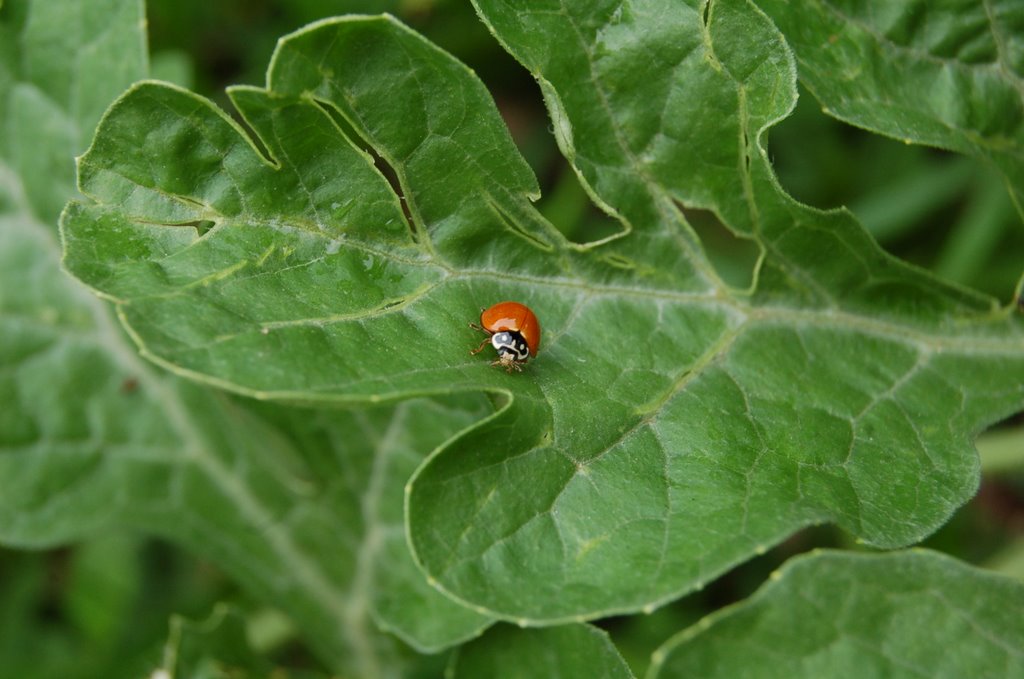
x,y
513,331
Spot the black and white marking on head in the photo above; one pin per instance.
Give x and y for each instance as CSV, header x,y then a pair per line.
x,y
510,343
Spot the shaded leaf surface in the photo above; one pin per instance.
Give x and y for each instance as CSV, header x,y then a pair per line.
x,y
63,361
562,652
346,484
671,426
61,64
93,437
830,614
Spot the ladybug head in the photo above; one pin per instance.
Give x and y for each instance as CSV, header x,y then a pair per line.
x,y
510,345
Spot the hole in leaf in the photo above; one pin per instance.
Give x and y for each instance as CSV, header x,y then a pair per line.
x,y
746,154
391,176
732,257
202,226
253,138
384,167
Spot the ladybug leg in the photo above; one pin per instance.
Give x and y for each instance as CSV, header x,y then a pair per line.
x,y
509,366
483,344
482,329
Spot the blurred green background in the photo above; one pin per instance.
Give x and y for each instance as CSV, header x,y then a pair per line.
x,y
101,609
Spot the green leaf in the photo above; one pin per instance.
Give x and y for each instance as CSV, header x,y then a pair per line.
x,y
62,64
65,364
949,75
93,437
31,648
831,614
562,652
104,584
346,481
135,448
216,648
671,426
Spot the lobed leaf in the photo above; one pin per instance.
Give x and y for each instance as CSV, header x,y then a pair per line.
x,y
832,614
671,426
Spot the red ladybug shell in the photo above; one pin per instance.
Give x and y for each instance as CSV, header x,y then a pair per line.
x,y
516,317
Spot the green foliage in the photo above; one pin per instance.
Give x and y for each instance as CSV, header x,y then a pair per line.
x,y
96,438
949,77
561,652
64,407
214,648
310,287
287,270
841,614
217,648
